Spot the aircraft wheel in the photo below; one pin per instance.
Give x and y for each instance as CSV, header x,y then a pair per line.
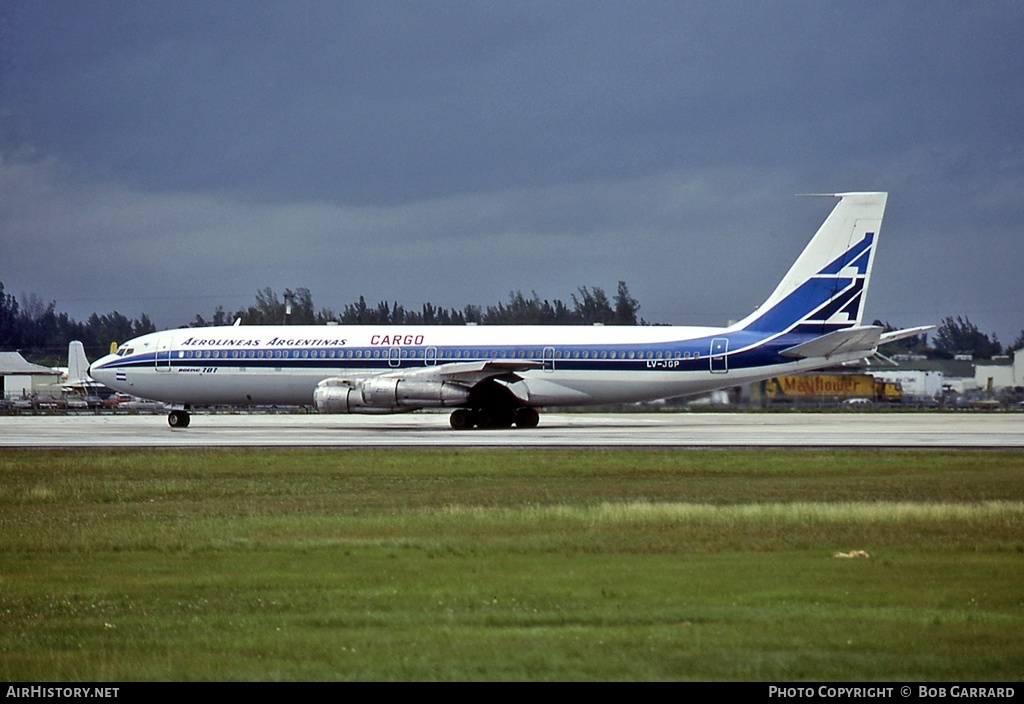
x,y
503,419
527,417
461,419
178,419
494,418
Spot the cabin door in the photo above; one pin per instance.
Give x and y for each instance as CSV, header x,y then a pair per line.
x,y
549,359
720,355
163,354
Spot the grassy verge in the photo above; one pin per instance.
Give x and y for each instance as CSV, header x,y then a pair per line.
x,y
503,564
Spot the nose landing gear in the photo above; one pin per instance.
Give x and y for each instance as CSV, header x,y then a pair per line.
x,y
178,419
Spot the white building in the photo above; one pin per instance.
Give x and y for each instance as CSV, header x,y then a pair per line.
x,y
918,386
1000,373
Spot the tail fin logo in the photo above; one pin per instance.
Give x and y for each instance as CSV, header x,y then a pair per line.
x,y
856,257
830,300
835,296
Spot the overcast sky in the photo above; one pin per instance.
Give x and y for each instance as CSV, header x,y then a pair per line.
x,y
169,157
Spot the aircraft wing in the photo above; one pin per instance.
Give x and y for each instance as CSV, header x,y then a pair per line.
x,y
467,373
80,385
859,339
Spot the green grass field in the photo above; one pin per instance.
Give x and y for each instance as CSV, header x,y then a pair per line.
x,y
127,565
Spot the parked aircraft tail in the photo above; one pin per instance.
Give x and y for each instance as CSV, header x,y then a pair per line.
x,y
78,363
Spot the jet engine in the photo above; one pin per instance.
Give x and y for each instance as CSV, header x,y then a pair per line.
x,y
386,395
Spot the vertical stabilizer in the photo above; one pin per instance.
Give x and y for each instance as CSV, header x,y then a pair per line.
x,y
78,363
825,289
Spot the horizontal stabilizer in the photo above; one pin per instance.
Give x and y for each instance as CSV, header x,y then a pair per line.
x,y
859,339
888,337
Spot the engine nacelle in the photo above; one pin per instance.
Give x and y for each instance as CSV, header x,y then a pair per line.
x,y
343,399
386,395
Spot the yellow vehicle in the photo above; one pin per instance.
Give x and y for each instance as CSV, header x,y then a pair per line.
x,y
829,387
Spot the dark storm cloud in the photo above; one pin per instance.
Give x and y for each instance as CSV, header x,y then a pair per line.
x,y
393,101
453,151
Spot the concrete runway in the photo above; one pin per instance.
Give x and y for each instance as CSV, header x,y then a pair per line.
x,y
682,430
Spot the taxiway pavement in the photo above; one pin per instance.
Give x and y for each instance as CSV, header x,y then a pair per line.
x,y
905,430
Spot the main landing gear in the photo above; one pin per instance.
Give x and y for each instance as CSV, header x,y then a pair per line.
x,y
468,418
178,419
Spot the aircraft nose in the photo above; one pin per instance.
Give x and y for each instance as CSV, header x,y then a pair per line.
x,y
94,369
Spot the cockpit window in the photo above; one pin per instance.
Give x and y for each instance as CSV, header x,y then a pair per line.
x,y
124,351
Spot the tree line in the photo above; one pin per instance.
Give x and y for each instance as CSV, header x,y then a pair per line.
x,y
42,334
35,328
589,306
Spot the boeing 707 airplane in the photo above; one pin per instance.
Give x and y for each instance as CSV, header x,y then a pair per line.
x,y
499,376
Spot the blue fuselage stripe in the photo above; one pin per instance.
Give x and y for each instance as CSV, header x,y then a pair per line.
x,y
745,349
